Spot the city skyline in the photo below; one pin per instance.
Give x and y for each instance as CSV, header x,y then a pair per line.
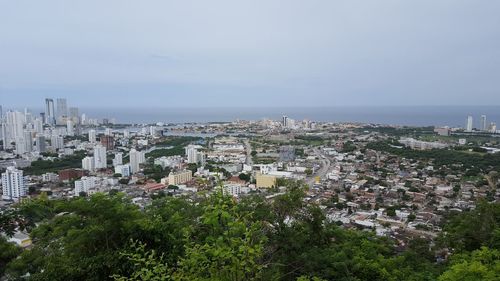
x,y
222,53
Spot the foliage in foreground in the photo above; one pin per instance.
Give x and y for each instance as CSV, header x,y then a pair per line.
x,y
106,237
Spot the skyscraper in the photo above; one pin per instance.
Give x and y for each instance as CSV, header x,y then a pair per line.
x,y
28,141
469,124
38,125
74,115
40,144
62,110
49,112
483,126
100,157
69,128
136,158
284,121
13,184
14,122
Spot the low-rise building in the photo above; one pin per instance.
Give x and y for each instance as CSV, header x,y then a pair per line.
x,y
180,177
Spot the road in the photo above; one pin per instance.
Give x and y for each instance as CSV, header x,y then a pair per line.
x,y
323,170
249,152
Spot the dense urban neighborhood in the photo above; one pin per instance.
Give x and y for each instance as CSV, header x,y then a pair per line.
x,y
403,189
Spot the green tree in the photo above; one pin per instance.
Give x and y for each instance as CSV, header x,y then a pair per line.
x,y
244,176
483,264
223,245
8,251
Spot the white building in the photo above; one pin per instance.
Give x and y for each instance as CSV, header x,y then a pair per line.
x,y
483,126
13,184
28,141
232,189
57,142
136,158
124,170
38,126
69,128
193,155
88,163
85,184
170,161
50,177
100,157
118,160
469,124
92,136
152,130
108,132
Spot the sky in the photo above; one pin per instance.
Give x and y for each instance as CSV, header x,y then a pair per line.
x,y
255,53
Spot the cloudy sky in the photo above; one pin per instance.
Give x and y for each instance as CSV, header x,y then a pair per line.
x,y
252,53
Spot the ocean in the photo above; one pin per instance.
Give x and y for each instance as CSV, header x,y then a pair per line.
x,y
454,116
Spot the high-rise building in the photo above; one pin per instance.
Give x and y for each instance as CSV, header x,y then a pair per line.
x,y
483,126
38,125
469,124
108,142
88,163
136,158
284,121
50,118
28,141
62,110
56,142
40,144
20,146
100,161
74,115
14,126
69,128
152,130
3,131
193,155
92,136
13,184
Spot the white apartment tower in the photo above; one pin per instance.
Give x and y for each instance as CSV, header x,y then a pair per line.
x,y
88,163
136,158
483,126
92,136
100,157
469,124
13,184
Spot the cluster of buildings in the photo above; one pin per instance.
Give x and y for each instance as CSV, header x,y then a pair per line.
x,y
356,186
483,125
